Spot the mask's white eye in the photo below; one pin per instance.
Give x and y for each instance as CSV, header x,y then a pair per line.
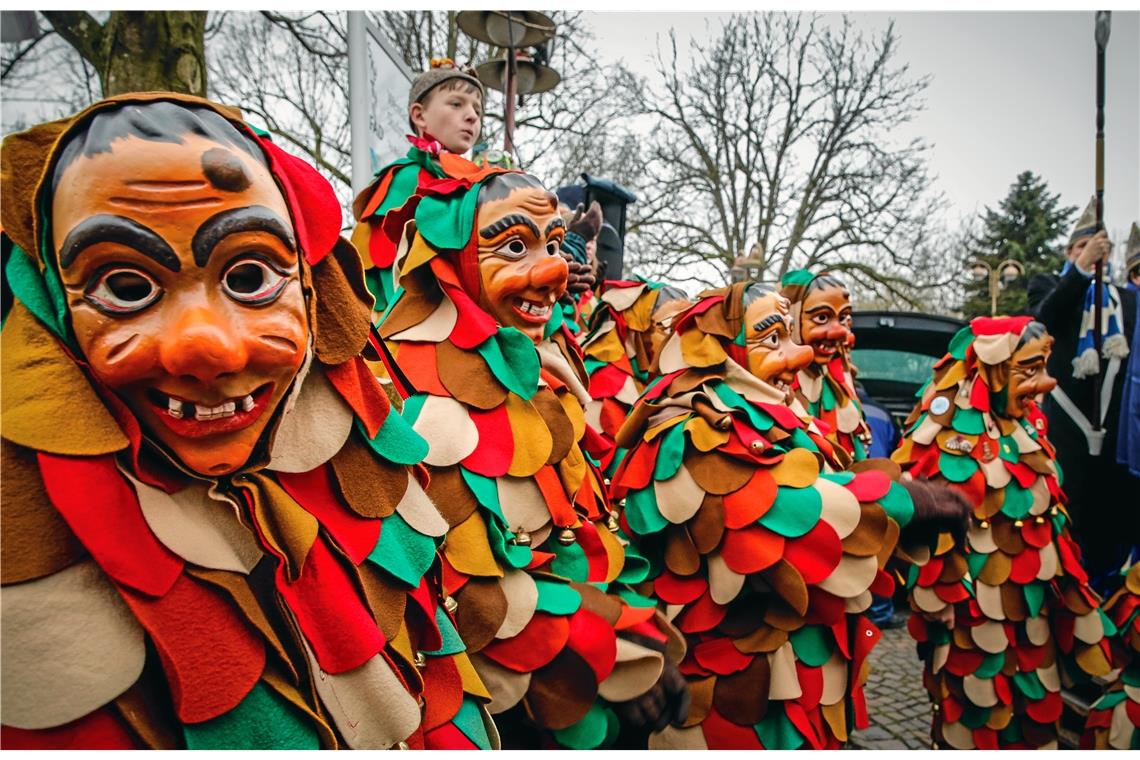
x,y
122,290
514,248
253,281
771,340
554,247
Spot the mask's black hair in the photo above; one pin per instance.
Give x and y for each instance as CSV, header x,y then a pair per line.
x,y
157,121
1032,331
755,291
826,280
499,186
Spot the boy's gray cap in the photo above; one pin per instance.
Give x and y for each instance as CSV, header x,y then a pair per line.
x,y
441,70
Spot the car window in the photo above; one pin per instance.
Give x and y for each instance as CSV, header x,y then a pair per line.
x,y
885,364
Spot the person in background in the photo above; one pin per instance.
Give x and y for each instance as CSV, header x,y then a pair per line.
x,y
1097,486
445,109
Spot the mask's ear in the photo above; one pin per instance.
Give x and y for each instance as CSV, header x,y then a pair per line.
x,y
340,306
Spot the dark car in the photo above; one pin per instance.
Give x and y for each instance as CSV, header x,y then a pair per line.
x,y
894,352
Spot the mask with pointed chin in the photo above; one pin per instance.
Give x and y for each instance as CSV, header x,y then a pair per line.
x,y
183,283
521,270
826,322
1028,378
772,355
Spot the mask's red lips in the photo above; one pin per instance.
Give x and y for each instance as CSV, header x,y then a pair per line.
x,y
191,419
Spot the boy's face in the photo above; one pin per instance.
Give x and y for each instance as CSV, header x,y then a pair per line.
x,y
521,269
451,113
184,290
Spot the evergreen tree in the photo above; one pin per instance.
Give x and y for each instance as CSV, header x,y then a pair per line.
x,y
1026,227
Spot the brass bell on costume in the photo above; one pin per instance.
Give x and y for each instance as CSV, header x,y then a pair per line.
x,y
522,538
450,604
419,660
612,523
567,537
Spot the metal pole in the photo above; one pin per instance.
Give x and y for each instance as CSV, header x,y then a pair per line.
x,y
993,292
359,99
1101,33
509,90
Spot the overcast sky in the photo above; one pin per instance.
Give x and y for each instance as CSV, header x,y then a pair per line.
x,y
1010,91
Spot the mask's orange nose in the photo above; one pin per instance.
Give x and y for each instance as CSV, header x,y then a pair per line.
x,y
551,273
202,345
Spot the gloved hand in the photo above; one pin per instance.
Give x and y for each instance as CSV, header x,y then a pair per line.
x,y
581,278
587,222
667,702
938,508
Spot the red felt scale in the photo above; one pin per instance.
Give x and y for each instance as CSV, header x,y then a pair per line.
x,y
536,645
313,490
211,657
101,508
751,549
594,640
359,388
816,553
748,504
492,457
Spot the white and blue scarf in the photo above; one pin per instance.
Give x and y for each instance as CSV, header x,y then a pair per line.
x,y
1113,343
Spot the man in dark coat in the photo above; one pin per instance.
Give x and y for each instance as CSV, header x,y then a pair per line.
x,y
1102,494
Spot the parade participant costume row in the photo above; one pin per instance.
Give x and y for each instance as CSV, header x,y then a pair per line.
x,y
215,531
629,325
1005,618
764,552
533,555
821,313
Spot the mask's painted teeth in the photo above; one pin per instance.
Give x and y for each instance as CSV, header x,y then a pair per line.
x,y
178,408
535,309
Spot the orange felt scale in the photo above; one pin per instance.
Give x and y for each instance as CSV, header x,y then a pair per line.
x,y
748,504
751,549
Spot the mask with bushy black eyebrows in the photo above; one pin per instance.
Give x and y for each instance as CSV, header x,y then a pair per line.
x,y
182,276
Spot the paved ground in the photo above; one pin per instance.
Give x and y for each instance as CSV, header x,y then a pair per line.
x,y
898,705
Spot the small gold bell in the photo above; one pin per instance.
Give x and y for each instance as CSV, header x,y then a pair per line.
x,y
450,604
984,524
419,660
566,537
1018,523
612,523
522,538
606,480
402,745
756,445
1053,511
1039,519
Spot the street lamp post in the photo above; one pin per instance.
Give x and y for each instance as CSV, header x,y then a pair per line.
x,y
998,277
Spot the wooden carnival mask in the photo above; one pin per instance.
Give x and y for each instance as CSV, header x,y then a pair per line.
x,y
521,271
825,319
772,355
183,282
1028,377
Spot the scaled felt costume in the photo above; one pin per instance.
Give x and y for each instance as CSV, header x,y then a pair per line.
x,y
1025,620
293,604
618,353
827,391
1114,719
388,203
763,554
533,554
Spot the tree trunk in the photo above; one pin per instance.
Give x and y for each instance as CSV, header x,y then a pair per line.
x,y
137,51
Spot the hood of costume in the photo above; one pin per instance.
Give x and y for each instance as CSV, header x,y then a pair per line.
x,y
618,357
765,553
827,391
384,208
1024,617
147,605
533,554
